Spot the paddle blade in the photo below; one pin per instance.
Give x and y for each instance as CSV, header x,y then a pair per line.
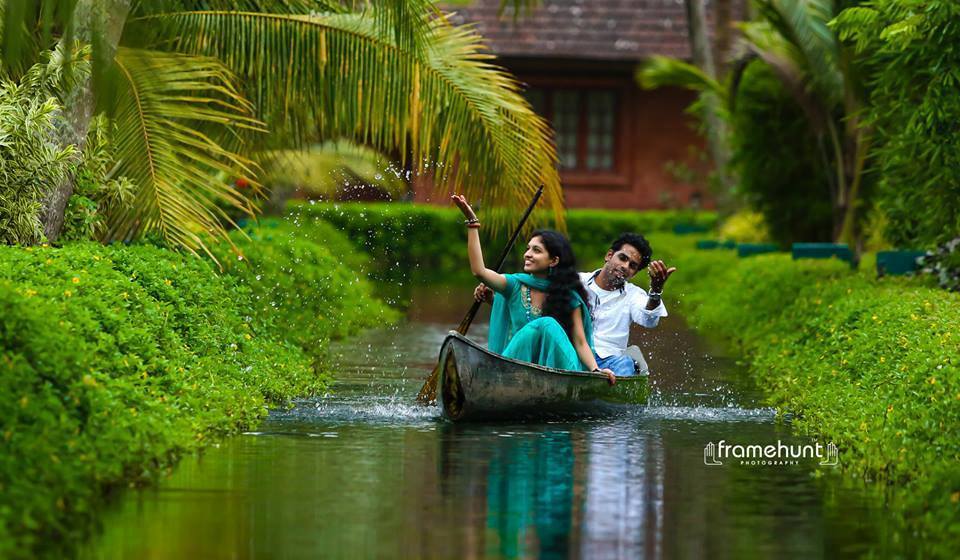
x,y
428,393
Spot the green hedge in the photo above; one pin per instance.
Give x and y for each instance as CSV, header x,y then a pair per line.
x,y
406,239
114,361
307,277
873,365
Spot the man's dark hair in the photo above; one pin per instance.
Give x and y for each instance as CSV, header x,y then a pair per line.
x,y
638,242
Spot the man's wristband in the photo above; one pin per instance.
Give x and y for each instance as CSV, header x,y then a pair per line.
x,y
654,294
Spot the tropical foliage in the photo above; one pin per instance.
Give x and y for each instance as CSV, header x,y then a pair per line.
x,y
29,163
394,75
115,361
794,40
908,48
336,170
870,364
405,239
778,159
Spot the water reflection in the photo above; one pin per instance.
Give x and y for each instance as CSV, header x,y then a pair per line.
x,y
364,474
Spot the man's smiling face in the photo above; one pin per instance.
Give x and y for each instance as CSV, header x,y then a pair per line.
x,y
621,265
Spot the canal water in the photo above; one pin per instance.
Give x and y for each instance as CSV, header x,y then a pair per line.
x,y
364,473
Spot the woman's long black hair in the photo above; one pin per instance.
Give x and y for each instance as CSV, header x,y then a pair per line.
x,y
563,279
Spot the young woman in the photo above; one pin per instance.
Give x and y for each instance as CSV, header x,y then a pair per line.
x,y
541,315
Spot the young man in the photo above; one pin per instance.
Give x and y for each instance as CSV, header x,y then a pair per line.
x,y
616,303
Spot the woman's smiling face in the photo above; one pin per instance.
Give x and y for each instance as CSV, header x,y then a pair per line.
x,y
536,259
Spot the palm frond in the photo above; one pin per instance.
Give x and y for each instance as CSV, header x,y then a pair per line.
x,y
659,71
329,76
330,169
787,62
180,172
804,24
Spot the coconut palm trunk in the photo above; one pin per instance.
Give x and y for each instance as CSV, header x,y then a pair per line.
x,y
99,23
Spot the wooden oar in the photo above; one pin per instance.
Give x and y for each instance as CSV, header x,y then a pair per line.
x,y
428,393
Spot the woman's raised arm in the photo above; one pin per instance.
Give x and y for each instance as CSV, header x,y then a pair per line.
x,y
489,277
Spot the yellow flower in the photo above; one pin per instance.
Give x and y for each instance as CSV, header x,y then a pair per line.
x,y
167,282
67,293
49,261
882,359
955,497
247,336
75,280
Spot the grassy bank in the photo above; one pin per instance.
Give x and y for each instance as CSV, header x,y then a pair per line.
x,y
873,365
115,361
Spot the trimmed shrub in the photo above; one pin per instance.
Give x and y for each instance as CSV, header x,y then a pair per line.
x,y
308,278
744,226
408,239
114,361
873,365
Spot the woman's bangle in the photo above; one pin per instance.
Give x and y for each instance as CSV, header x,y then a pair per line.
x,y
474,225
474,220
596,370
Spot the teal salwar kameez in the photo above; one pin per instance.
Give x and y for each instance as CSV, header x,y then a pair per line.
x,y
517,332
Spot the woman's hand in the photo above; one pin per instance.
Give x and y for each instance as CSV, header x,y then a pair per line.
x,y
611,377
483,294
464,207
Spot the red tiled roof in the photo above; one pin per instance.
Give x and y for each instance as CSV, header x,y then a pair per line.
x,y
627,30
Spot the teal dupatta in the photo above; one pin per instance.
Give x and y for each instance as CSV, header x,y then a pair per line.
x,y
505,315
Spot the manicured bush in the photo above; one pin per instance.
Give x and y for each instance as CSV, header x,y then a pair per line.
x,y
744,226
308,278
873,365
410,239
114,361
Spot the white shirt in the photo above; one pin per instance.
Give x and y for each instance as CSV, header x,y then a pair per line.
x,y
614,311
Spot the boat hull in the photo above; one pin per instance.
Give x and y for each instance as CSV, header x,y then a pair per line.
x,y
476,384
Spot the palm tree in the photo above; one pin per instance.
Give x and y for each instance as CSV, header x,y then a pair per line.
x,y
794,38
197,89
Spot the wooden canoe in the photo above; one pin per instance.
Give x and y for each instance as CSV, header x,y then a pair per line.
x,y
476,384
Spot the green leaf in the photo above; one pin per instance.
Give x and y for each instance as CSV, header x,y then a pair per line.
x,y
181,172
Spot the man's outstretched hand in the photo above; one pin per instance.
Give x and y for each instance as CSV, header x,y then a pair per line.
x,y
659,273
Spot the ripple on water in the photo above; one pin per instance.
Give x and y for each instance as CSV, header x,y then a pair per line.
x,y
394,410
710,414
